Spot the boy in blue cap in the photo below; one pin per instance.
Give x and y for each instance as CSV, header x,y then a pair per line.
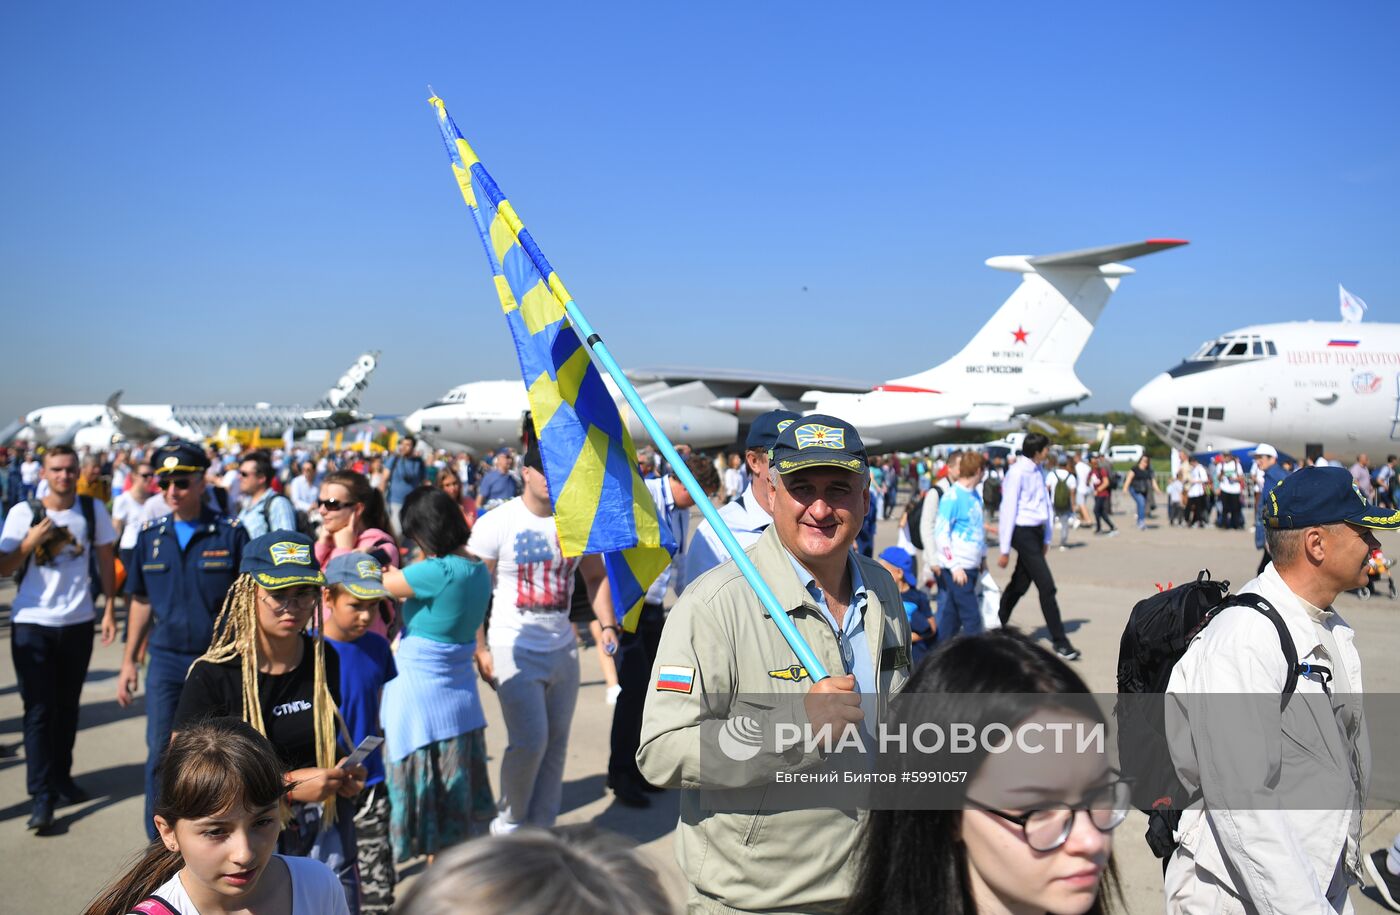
x,y
900,564
353,591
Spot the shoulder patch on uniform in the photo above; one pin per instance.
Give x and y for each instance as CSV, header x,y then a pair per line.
x,y
795,672
670,678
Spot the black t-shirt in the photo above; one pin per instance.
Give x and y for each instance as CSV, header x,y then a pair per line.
x,y
216,690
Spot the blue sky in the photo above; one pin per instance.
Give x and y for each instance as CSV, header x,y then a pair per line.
x,y
204,202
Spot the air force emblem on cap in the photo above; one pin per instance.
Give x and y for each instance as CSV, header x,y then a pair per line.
x,y
815,435
368,568
172,462
287,551
782,426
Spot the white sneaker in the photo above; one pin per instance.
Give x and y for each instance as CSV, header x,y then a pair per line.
x,y
500,827
1074,524
613,692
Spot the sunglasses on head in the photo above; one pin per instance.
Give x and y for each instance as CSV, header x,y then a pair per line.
x,y
333,505
180,483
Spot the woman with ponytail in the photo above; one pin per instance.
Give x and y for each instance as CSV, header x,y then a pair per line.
x,y
354,520
218,812
264,667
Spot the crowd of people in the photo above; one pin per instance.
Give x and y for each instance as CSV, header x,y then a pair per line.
x,y
314,630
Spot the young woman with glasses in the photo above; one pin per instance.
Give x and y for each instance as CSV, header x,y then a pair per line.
x,y
354,520
1025,832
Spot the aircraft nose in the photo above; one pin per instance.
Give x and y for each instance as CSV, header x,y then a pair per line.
x,y
413,422
1153,403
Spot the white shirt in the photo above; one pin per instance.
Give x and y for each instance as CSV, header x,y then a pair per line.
x,y
678,520
1197,479
746,520
315,890
1081,478
304,493
56,593
1054,477
29,472
534,580
130,511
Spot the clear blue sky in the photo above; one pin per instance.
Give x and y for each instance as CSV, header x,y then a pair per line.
x,y
227,202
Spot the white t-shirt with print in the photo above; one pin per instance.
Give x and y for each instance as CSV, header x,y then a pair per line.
x,y
132,514
534,581
315,890
56,593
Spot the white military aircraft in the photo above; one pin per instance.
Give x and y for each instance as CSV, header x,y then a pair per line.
x,y
1021,362
1304,387
100,425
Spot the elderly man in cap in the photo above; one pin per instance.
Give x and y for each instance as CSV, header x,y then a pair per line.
x,y
719,647
184,564
497,484
747,517
1247,844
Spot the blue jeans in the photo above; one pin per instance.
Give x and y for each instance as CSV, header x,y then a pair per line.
x,y
1141,499
958,607
165,678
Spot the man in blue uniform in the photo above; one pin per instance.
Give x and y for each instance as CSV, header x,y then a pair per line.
x,y
184,565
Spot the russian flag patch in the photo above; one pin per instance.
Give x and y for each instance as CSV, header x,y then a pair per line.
x,y
675,679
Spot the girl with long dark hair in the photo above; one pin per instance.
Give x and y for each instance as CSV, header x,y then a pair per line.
x,y
354,520
1024,833
218,812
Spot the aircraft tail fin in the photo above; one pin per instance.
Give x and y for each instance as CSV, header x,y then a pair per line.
x,y
1047,320
346,393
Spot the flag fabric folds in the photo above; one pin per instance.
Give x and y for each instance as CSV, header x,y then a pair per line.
x,y
600,503
1353,308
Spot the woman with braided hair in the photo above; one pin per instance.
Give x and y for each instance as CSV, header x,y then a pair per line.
x,y
264,667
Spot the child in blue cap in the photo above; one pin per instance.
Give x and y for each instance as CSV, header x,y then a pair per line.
x,y
352,595
900,564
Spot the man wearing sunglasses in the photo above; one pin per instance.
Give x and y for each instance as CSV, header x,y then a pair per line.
x,y
183,566
1280,779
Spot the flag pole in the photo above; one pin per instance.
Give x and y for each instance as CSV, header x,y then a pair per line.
x,y
815,669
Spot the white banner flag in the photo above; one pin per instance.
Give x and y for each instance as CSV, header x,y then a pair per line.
x,y
1352,306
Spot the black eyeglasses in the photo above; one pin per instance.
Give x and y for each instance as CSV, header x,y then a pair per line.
x,y
146,476
1047,828
334,505
180,483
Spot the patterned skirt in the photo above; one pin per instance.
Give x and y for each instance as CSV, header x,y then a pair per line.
x,y
439,795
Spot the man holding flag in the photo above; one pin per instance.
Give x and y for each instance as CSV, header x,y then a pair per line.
x,y
718,651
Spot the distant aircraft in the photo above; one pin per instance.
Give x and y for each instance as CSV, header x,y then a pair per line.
x,y
1304,387
100,425
1021,362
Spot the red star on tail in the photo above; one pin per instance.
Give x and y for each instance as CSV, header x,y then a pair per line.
x,y
1020,334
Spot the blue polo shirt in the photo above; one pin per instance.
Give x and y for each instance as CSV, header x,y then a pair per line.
x,y
850,634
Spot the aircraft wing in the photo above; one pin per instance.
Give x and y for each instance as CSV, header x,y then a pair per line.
x,y
739,382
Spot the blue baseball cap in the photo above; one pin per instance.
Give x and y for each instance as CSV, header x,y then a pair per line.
x,y
764,431
282,559
359,573
1323,495
179,457
818,440
900,559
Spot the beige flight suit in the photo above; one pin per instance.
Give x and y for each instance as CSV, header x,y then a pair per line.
x,y
785,861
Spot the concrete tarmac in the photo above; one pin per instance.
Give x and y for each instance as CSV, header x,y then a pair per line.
x,y
1099,579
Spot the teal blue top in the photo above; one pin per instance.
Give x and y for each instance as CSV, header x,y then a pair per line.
x,y
449,599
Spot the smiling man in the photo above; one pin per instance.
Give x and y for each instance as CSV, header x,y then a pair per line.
x,y
721,658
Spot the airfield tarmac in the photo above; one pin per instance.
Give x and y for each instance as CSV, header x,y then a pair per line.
x,y
1099,579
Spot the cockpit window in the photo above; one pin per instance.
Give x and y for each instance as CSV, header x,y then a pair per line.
x,y
1239,349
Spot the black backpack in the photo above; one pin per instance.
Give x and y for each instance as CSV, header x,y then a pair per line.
x,y
991,490
1157,634
915,511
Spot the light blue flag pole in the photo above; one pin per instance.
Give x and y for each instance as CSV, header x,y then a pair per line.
x,y
805,656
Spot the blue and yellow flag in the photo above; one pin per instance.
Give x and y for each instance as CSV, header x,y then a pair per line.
x,y
601,504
